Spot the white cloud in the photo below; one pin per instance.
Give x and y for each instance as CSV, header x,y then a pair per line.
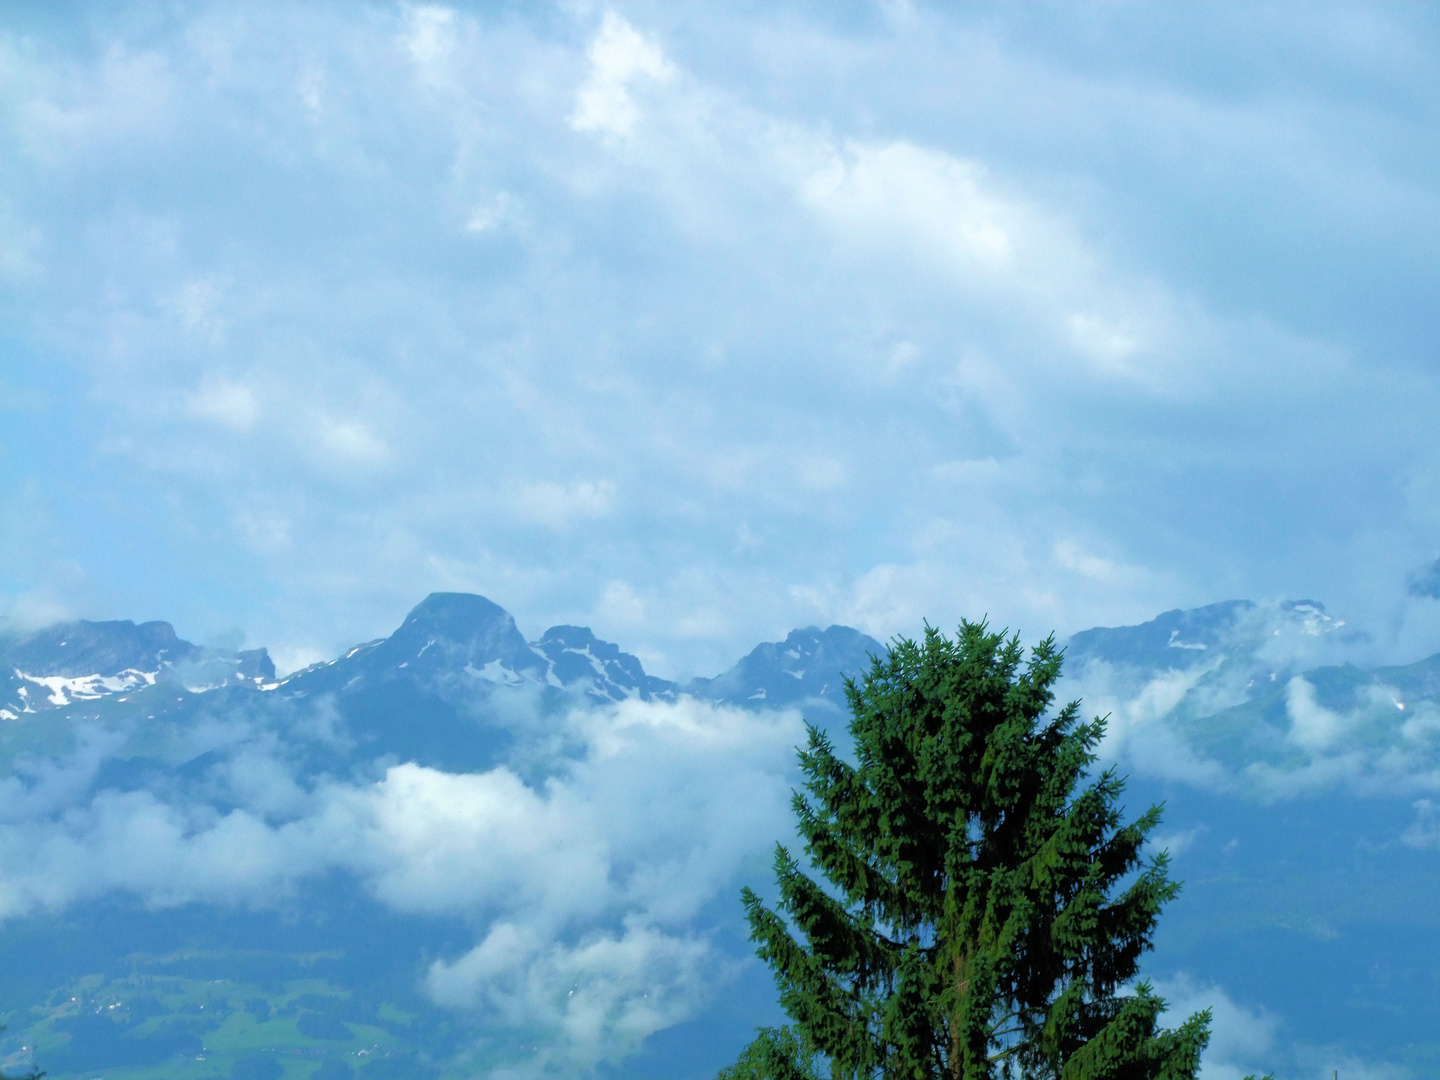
x,y
17,243
135,843
585,886
1138,728
39,789
1072,556
925,198
349,443
619,55
1242,1040
32,611
1157,721
436,842
596,1000
1176,843
312,85
560,505
1424,831
1102,339
1312,726
229,404
429,38
290,658
1004,250
263,530
621,606
1247,1041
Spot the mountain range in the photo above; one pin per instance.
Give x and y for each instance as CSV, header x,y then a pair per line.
x,y
427,693
455,850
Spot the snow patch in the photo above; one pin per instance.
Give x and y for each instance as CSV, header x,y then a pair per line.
x,y
62,690
1176,643
495,671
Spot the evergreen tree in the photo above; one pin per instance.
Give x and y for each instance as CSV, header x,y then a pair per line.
x,y
984,914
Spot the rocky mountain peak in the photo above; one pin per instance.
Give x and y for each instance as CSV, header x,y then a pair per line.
x,y
576,655
809,665
459,630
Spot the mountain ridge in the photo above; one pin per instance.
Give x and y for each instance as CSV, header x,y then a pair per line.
x,y
329,963
454,686
80,660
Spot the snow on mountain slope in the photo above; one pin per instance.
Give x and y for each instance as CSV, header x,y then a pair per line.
x,y
83,661
808,667
575,656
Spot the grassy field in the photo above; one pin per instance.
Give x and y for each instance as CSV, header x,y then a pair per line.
x,y
147,1026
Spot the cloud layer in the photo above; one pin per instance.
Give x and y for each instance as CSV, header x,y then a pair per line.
x,y
585,890
1270,707
695,326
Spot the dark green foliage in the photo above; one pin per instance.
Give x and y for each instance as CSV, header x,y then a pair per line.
x,y
775,1052
986,907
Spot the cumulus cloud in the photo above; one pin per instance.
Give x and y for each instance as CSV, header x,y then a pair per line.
x,y
601,996
1249,1041
584,885
1139,718
1242,1039
1312,726
619,55
1261,708
429,34
41,789
1374,744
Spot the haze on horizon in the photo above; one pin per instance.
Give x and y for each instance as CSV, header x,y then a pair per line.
x,y
695,323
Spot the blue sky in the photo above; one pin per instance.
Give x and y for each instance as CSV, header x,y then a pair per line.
x,y
693,323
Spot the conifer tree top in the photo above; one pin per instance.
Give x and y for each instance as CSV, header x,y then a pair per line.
x,y
981,914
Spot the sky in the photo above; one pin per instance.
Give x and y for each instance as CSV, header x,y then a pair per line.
x,y
694,323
